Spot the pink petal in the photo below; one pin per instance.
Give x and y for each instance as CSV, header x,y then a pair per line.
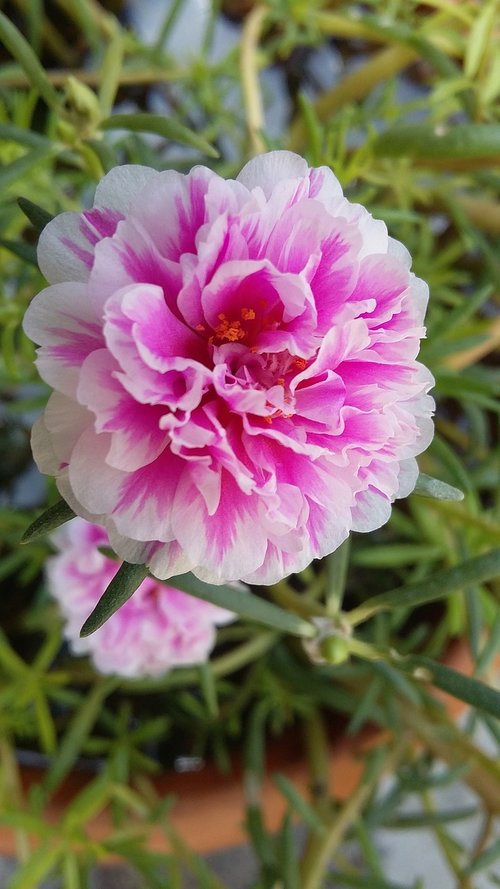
x,y
131,257
64,253
225,546
61,320
136,437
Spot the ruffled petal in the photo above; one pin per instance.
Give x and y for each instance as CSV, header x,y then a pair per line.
x,y
61,320
136,436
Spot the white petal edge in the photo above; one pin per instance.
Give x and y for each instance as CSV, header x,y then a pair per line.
x,y
372,511
67,493
266,170
408,474
57,261
120,187
44,455
396,248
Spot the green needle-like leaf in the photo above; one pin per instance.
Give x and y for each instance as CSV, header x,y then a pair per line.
x,y
38,217
488,857
10,133
162,126
20,49
54,516
36,868
121,588
23,165
465,688
427,486
25,252
245,604
77,733
439,585
298,803
463,141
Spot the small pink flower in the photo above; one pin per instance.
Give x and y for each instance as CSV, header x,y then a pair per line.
x,y
234,367
157,629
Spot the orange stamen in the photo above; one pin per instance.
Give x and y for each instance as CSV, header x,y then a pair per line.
x,y
231,331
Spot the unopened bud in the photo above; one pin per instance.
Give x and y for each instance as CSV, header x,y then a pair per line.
x,y
335,650
82,109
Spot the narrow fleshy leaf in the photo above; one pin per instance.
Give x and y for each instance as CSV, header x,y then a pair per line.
x,y
414,820
162,126
111,69
36,868
439,585
104,153
79,729
109,553
20,49
10,133
92,799
9,173
124,584
462,141
54,516
245,604
297,802
25,252
483,861
427,486
38,217
465,688
480,35
359,881
19,820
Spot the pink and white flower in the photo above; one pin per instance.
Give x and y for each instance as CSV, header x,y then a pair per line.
x,y
234,367
157,629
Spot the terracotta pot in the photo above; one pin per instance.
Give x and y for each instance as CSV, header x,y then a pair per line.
x,y
210,807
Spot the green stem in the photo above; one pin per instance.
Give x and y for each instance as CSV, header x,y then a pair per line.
x,y
11,791
384,65
128,77
320,849
318,757
446,845
448,743
298,603
168,23
252,96
223,666
336,570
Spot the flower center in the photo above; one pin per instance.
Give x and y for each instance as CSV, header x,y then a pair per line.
x,y
233,331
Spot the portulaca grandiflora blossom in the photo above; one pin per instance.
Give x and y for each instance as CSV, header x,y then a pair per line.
x,y
234,366
157,629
